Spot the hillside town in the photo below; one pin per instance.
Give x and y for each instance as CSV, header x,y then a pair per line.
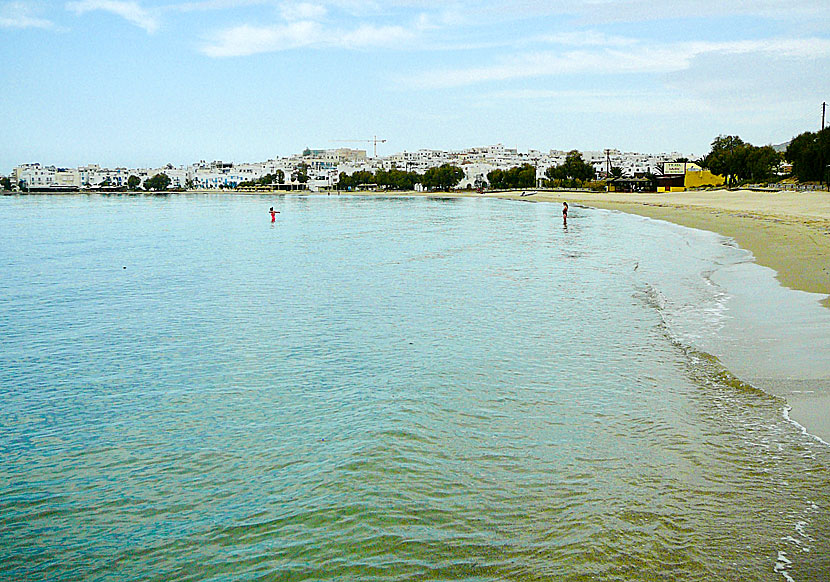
x,y
319,170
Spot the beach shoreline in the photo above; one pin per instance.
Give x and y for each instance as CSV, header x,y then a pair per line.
x,y
788,232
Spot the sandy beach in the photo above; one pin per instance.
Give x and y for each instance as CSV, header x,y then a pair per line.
x,y
788,232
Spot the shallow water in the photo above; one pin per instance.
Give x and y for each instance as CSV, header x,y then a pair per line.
x,y
385,389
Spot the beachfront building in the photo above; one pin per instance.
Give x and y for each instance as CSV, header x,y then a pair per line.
x,y
475,175
630,184
34,176
67,178
679,176
218,174
323,168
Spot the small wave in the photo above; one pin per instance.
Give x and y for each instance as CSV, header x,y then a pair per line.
x,y
803,429
782,565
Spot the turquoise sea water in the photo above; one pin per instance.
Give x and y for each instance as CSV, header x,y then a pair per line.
x,y
387,389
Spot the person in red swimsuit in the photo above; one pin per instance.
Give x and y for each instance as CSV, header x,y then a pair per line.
x,y
565,211
274,214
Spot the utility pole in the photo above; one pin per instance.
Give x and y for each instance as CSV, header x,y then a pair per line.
x,y
823,109
607,163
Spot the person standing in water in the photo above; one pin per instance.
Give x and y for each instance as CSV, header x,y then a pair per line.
x,y
274,214
565,211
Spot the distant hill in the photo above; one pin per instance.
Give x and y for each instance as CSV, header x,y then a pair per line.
x,y
781,147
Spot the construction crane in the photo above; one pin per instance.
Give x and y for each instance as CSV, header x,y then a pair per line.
x,y
375,141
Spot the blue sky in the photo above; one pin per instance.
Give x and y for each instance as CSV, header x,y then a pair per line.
x,y
147,82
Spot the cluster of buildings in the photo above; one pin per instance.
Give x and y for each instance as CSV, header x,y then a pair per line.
x,y
320,169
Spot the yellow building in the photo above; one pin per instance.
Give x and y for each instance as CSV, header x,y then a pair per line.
x,y
701,178
678,176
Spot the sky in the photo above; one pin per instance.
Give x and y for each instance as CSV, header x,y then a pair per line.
x,y
143,83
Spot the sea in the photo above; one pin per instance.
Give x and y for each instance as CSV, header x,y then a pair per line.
x,y
397,388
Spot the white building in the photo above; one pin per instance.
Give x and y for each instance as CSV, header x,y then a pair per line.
x,y
325,166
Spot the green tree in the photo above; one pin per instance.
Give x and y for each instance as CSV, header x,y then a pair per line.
x,y
761,163
616,172
396,179
443,177
300,174
266,180
188,184
133,182
383,178
404,181
496,179
280,176
523,176
809,153
158,182
727,158
574,171
344,181
6,183
739,161
351,182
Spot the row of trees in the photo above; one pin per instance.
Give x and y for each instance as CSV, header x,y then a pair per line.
x,y
440,178
573,172
267,180
299,175
523,176
158,182
730,156
809,153
738,161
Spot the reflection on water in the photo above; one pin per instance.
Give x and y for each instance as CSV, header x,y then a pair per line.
x,y
382,389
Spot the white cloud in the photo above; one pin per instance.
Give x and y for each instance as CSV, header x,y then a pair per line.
x,y
541,64
602,11
446,17
249,40
18,15
786,47
585,38
636,57
205,5
368,36
609,102
303,11
127,9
